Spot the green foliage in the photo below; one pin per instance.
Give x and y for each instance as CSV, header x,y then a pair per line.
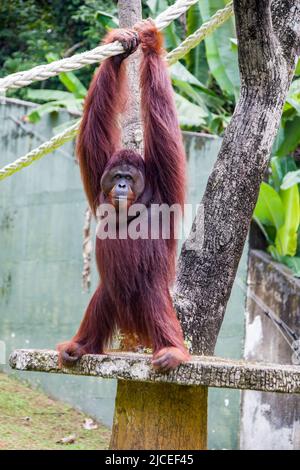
x,y
293,263
277,212
190,114
286,238
33,29
291,136
193,77
207,77
214,64
269,208
288,138
290,179
285,179
72,99
220,53
37,30
280,167
196,58
106,20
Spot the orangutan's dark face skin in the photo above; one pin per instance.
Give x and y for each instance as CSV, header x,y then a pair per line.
x,y
122,185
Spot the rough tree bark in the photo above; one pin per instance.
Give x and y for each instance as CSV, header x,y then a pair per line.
x,y
268,39
152,416
210,371
129,14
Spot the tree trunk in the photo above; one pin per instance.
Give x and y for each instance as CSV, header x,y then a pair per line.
x,y
268,39
159,416
129,14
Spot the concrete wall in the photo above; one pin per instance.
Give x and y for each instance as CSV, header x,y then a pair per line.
x,y
41,299
270,420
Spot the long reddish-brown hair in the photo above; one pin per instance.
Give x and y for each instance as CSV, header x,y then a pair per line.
x,y
135,274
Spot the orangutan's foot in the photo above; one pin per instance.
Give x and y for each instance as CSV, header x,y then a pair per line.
x,y
168,358
69,353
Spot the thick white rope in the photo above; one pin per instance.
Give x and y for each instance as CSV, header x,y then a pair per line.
x,y
173,12
42,72
37,153
190,42
97,55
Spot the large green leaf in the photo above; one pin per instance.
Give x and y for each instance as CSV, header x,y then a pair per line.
x,y
291,104
73,84
294,88
190,114
291,178
107,20
269,207
196,58
286,238
71,105
186,89
276,176
293,98
47,95
293,262
280,167
291,137
172,40
179,74
221,56
47,108
69,79
278,139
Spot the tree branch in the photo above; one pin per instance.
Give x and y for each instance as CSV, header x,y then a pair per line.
x,y
206,273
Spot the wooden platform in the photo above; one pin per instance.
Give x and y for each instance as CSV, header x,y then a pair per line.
x,y
201,370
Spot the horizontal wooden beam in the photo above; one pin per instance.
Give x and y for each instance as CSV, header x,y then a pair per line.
x,y
201,370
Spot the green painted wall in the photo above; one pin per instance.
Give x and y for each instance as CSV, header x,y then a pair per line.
x,y
41,299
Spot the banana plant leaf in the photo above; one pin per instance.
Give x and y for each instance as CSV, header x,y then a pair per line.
x,y
221,56
280,167
196,58
286,238
269,208
290,179
190,114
